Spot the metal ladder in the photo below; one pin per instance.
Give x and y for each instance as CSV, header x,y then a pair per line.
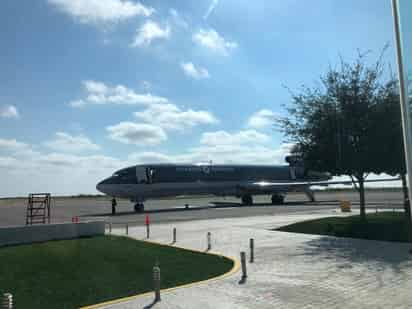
x,y
38,208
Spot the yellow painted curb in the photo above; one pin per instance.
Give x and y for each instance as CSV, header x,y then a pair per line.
x,y
235,268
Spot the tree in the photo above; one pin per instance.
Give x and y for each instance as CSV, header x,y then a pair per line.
x,y
388,133
334,124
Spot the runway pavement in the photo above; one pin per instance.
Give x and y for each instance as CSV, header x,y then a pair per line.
x,y
13,211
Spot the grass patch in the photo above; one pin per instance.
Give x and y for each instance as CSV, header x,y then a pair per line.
x,y
388,226
74,273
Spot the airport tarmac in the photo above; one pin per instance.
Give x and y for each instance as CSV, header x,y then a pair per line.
x,y
13,211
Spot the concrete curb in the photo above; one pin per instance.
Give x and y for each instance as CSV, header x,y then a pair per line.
x,y
235,268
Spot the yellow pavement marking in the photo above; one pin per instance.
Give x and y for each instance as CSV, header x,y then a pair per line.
x,y
235,268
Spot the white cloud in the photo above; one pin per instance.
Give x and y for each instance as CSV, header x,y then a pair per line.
x,y
9,111
240,154
238,138
7,162
150,31
102,11
221,147
211,8
177,19
95,86
25,170
78,103
213,41
169,116
68,143
99,93
219,154
140,134
194,72
149,157
12,146
262,119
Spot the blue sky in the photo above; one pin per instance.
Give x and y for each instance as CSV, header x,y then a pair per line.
x,y
405,8
89,86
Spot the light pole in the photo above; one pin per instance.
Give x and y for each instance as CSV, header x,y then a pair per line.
x,y
405,109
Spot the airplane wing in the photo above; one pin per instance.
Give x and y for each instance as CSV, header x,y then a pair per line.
x,y
300,184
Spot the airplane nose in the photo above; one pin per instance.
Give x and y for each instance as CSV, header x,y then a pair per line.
x,y
100,186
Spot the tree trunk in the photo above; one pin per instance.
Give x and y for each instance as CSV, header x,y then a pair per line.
x,y
406,204
362,198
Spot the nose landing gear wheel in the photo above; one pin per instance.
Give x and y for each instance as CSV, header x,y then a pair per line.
x,y
247,200
277,199
139,207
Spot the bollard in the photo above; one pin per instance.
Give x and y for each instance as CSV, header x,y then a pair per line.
x,y
252,250
7,302
110,227
127,228
174,235
156,283
376,209
147,221
243,262
209,241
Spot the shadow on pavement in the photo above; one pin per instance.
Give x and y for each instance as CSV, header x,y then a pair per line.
x,y
350,252
151,305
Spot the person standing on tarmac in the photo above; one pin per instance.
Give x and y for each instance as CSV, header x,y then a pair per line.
x,y
114,203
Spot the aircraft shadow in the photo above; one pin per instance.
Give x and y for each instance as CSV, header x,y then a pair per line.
x,y
213,205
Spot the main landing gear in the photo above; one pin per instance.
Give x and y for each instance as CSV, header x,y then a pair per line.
x,y
139,207
277,199
247,200
114,204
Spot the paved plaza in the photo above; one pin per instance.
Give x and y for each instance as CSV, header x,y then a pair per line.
x,y
290,270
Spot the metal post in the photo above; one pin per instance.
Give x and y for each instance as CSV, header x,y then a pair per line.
x,y
147,231
243,262
209,241
174,235
127,228
252,250
110,227
405,109
156,283
7,301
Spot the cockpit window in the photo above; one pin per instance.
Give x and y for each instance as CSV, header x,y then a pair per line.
x,y
126,176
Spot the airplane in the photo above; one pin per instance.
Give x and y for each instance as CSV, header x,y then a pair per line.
x,y
141,182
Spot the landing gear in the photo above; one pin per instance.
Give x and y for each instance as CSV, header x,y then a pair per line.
x,y
139,207
247,200
277,199
114,204
310,194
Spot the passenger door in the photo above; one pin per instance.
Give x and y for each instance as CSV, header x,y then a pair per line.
x,y
141,174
